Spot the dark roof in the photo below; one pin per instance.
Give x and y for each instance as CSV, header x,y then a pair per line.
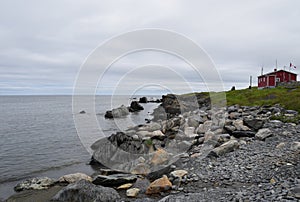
x,y
281,70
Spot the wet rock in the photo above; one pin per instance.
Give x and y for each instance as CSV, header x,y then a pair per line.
x,y
37,183
84,191
225,148
72,178
143,100
119,112
135,106
109,115
114,180
159,185
264,133
133,192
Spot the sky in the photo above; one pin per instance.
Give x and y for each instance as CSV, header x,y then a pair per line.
x,y
44,44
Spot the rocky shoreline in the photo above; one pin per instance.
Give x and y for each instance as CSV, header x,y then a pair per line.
x,y
190,151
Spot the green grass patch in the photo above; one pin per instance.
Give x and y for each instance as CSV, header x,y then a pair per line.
x,y
287,98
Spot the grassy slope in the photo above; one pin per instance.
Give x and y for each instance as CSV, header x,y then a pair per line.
x,y
287,98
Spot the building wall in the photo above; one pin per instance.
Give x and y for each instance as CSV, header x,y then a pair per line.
x,y
270,81
285,76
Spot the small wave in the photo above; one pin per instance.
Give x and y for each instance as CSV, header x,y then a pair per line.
x,y
34,173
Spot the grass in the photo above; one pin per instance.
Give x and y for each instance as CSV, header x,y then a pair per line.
x,y
287,98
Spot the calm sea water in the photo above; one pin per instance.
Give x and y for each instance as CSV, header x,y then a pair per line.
x,y
38,136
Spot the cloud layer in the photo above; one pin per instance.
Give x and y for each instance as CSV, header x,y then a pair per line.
x,y
44,43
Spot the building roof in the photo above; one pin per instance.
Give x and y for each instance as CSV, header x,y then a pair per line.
x,y
281,70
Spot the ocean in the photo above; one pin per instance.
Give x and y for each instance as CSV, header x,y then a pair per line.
x,y
38,136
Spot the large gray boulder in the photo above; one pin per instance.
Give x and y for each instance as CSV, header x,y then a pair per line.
x,y
84,191
119,112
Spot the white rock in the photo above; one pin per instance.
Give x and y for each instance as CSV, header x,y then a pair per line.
x,y
133,192
72,178
179,173
295,146
239,125
263,133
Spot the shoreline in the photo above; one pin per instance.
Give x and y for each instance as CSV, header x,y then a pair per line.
x,y
7,188
240,156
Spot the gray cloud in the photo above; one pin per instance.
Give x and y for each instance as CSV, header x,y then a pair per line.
x,y
43,44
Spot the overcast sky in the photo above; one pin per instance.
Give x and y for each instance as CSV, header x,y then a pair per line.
x,y
44,43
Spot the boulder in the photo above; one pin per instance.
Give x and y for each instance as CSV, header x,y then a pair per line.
x,y
264,133
254,123
225,148
37,183
84,191
160,157
108,115
72,178
192,122
241,133
135,106
239,125
133,192
114,180
178,173
190,132
203,128
159,185
143,100
119,112
150,127
141,169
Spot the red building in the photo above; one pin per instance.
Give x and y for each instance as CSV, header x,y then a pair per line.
x,y
271,79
